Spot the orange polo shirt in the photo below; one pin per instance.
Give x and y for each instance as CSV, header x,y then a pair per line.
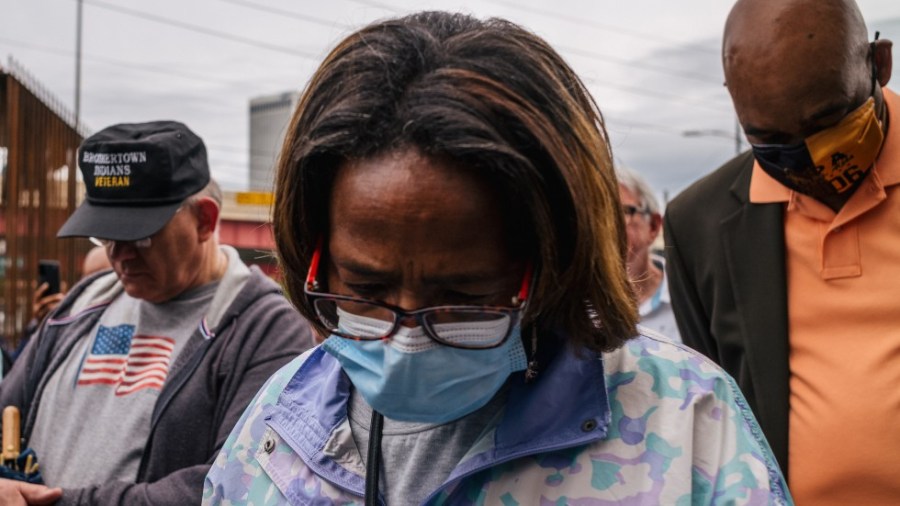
x,y
843,277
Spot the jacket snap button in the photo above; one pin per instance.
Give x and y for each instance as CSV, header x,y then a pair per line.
x,y
269,445
588,425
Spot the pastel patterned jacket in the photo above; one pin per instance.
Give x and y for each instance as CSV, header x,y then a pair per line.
x,y
651,423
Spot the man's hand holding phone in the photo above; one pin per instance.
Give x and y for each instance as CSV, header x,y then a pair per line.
x,y
48,294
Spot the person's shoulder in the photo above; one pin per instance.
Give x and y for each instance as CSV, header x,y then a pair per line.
x,y
713,188
261,293
257,283
677,372
277,383
672,393
260,313
268,396
236,464
92,291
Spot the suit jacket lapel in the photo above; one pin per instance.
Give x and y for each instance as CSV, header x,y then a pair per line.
x,y
754,245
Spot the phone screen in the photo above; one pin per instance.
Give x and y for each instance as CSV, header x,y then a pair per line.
x,y
48,272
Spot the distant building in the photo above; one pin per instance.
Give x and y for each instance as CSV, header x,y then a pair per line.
x,y
247,225
269,116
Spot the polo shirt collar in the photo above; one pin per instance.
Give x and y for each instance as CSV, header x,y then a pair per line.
x,y
764,189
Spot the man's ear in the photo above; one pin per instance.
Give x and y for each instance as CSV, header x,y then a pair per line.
x,y
883,60
207,212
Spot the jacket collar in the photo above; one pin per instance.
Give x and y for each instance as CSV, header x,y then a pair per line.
x,y
754,247
566,406
567,403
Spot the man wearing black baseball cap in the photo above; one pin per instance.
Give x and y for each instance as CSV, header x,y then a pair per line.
x,y
134,382
136,176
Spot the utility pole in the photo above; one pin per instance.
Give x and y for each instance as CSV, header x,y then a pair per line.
x,y
78,66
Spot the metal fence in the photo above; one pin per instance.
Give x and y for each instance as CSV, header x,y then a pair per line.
x,y
39,191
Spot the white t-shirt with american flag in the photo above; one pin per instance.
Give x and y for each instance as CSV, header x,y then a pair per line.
x,y
94,417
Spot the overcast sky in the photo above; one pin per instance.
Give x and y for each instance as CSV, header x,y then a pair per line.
x,y
652,65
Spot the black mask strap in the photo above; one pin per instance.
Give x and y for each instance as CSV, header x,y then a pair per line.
x,y
373,462
874,62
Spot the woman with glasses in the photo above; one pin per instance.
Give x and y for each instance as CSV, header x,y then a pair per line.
x,y
447,216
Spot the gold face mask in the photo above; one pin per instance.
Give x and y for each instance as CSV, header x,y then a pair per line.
x,y
829,165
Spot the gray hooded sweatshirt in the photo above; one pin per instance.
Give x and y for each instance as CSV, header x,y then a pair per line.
x,y
254,331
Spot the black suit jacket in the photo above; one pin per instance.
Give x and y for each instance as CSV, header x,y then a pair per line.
x,y
726,272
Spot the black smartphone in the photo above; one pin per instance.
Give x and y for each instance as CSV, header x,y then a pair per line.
x,y
48,272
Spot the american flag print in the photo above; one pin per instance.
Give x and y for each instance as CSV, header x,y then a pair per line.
x,y
126,361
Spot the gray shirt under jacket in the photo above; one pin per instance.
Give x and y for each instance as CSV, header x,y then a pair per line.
x,y
418,457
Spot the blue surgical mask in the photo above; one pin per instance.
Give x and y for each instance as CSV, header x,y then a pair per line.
x,y
410,377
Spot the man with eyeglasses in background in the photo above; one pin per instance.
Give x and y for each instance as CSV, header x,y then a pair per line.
x,y
136,379
783,262
646,269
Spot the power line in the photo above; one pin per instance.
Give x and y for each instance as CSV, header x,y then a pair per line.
x,y
639,91
290,14
206,31
379,5
585,52
643,66
122,63
599,26
374,3
611,123
644,92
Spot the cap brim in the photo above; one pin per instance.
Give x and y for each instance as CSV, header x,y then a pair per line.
x,y
117,223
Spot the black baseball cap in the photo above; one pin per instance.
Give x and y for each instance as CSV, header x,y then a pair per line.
x,y
136,176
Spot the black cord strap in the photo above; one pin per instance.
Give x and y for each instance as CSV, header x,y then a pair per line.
x,y
373,462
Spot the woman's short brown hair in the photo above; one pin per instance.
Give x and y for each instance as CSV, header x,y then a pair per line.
x,y
501,101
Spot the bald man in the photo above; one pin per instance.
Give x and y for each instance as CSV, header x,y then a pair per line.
x,y
783,263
